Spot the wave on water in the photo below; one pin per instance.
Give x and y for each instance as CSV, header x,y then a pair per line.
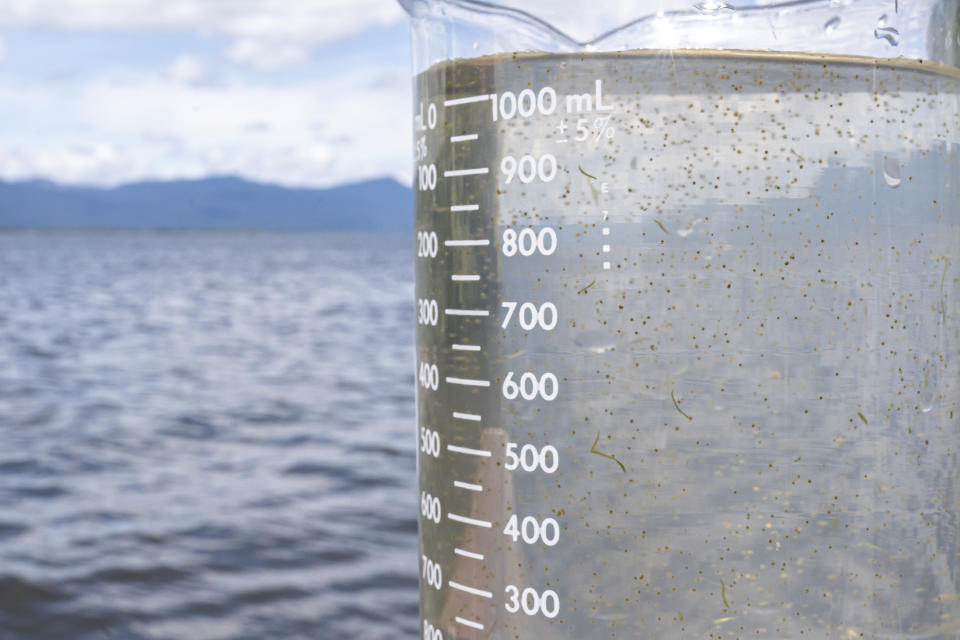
x,y
206,436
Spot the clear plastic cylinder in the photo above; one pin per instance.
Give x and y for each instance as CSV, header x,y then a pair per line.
x,y
688,352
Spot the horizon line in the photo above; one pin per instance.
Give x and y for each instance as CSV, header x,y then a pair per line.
x,y
208,178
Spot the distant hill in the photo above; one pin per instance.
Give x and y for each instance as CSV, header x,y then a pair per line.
x,y
213,203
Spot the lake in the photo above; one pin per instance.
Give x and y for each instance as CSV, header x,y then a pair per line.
x,y
207,435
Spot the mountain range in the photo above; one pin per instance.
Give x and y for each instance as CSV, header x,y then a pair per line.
x,y
211,203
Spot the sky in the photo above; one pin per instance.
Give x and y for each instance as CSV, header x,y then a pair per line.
x,y
292,92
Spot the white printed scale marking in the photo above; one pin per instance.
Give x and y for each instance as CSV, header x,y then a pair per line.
x,y
483,453
469,623
470,348
468,554
520,103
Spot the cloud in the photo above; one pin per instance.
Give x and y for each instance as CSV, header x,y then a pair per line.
x,y
265,33
3,51
166,127
186,69
266,54
328,19
195,114
78,160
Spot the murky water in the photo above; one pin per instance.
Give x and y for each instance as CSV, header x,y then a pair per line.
x,y
757,352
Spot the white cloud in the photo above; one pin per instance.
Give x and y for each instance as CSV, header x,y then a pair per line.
x,y
319,134
177,123
77,160
3,51
265,33
255,18
186,69
267,54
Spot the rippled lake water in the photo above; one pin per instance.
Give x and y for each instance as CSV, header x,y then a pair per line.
x,y
206,436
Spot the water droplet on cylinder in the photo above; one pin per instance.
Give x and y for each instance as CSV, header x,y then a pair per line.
x,y
708,7
891,172
891,35
595,341
832,24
